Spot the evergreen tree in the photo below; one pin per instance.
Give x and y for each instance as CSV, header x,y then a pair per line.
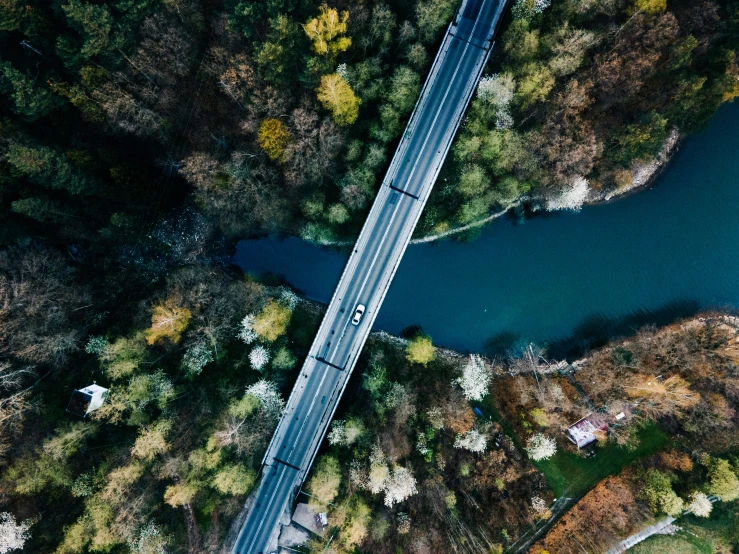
x,y
29,99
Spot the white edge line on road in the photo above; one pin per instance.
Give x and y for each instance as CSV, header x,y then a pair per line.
x,y
481,63
413,169
269,505
379,248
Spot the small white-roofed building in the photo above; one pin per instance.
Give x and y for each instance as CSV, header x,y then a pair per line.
x,y
87,400
308,518
587,430
322,519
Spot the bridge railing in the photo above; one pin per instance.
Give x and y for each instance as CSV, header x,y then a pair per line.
x,y
370,220
363,235
421,202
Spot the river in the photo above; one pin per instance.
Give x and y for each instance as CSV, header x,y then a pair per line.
x,y
565,279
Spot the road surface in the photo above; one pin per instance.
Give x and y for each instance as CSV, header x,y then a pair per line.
x,y
370,268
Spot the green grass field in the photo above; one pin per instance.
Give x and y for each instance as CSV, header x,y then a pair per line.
x,y
570,474
718,533
682,542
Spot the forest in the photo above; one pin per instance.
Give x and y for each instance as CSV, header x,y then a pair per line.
x,y
471,455
139,139
282,115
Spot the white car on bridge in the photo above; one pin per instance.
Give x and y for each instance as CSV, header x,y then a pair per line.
x,y
358,313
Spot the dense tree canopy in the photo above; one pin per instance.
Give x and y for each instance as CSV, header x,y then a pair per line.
x,y
140,138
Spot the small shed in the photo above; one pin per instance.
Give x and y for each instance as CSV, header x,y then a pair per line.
x,y
587,430
322,520
308,518
87,400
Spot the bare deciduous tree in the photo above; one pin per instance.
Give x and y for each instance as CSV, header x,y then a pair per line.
x,y
37,299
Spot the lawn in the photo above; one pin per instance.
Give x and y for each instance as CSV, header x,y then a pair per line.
x,y
570,474
682,542
697,535
573,475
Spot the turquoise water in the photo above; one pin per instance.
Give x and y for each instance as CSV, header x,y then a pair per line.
x,y
567,279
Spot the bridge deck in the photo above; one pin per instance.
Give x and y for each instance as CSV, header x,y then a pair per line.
x,y
371,266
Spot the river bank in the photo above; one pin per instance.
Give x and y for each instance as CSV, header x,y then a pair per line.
x,y
643,175
664,253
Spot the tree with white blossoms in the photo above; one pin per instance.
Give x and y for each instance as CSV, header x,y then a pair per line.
x,y
96,345
288,297
498,90
196,357
397,483
246,330
422,444
700,505
472,440
358,474
267,394
150,540
540,447
475,379
400,485
571,198
12,535
259,357
503,119
343,70
395,395
539,505
337,435
526,9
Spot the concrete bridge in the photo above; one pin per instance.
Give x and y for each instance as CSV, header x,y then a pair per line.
x,y
370,269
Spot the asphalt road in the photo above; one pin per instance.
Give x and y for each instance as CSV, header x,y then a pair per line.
x,y
370,268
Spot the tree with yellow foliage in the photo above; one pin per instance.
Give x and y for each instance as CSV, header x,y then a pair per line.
x,y
273,138
731,79
337,96
420,350
723,482
272,321
152,441
650,6
180,493
234,480
325,31
325,482
352,517
168,321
